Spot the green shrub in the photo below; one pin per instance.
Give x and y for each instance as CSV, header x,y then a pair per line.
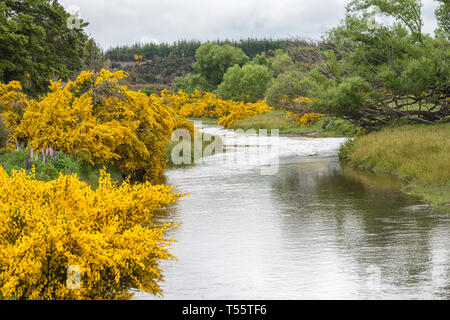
x,y
213,61
190,83
248,83
148,90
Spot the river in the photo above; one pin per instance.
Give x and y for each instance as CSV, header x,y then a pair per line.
x,y
312,230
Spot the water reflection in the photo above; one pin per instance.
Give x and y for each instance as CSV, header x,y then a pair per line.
x,y
370,224
313,231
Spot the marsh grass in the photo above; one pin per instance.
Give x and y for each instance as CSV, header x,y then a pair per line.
x,y
417,154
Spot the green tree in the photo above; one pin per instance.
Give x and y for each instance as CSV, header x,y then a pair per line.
x,y
443,17
262,59
248,83
378,74
408,12
190,83
94,58
212,61
38,44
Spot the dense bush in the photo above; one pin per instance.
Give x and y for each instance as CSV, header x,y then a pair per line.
x,y
62,240
212,61
185,48
190,83
49,164
37,43
96,119
148,90
373,76
207,104
248,83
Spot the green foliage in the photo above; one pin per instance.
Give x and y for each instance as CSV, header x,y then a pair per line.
x,y
148,90
53,166
213,60
36,43
286,87
443,17
378,75
188,48
281,62
190,83
407,12
262,60
248,83
94,58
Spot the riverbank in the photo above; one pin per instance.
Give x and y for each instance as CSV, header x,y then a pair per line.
x,y
418,154
276,119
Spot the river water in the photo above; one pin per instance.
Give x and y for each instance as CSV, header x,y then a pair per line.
x,y
311,229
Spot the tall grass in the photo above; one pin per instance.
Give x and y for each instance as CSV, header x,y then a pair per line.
x,y
418,154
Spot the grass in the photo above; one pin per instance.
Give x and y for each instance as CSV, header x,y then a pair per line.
x,y
16,160
276,119
418,154
204,120
189,145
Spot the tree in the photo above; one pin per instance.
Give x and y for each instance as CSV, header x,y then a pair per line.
x,y
261,59
248,83
37,43
408,12
190,83
94,58
214,60
377,75
443,17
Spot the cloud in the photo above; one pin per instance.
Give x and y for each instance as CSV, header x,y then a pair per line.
x,y
118,22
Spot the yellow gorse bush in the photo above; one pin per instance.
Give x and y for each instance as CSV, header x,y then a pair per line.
x,y
209,105
97,119
13,102
107,235
241,110
303,116
304,119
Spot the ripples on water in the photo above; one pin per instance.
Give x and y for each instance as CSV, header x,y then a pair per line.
x,y
314,230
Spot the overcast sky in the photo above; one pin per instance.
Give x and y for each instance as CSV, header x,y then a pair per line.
x,y
118,22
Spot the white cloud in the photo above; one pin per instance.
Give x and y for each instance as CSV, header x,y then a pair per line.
x,y
115,22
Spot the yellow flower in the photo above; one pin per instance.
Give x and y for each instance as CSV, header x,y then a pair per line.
x,y
108,236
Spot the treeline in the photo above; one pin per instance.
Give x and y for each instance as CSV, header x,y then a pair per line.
x,y
149,51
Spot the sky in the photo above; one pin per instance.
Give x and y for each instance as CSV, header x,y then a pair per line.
x,y
124,22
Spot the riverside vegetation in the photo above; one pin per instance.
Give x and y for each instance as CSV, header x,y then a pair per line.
x,y
80,160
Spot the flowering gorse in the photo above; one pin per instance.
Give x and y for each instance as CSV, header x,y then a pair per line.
x,y
209,105
97,119
107,235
